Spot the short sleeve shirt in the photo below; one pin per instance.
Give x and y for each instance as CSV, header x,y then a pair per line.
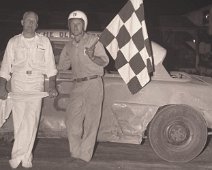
x,y
73,55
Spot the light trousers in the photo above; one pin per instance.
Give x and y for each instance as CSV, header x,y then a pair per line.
x,y
26,115
83,117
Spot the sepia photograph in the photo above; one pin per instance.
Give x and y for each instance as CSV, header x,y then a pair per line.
x,y
106,84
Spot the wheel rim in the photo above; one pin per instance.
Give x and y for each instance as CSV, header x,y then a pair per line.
x,y
178,134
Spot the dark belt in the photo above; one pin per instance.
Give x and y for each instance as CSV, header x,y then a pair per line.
x,y
29,72
86,78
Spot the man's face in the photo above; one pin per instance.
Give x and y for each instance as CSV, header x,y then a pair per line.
x,y
76,26
29,23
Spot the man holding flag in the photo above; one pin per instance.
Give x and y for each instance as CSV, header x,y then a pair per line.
x,y
127,41
87,58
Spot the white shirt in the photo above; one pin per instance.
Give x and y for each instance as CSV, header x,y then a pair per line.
x,y
28,54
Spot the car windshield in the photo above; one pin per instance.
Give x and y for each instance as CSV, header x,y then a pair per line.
x,y
57,48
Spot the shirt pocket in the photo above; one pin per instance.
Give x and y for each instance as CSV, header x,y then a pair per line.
x,y
39,58
19,55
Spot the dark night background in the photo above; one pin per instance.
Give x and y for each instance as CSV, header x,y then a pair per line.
x,y
54,13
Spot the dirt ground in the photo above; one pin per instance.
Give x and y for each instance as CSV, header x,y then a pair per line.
x,y
53,154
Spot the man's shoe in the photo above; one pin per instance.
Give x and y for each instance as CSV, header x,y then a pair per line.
x,y
27,164
72,159
79,163
14,163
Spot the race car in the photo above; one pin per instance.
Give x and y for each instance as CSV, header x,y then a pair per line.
x,y
173,110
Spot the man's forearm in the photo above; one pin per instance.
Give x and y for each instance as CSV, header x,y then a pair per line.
x,y
98,60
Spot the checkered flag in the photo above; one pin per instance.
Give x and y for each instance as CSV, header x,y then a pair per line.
x,y
127,41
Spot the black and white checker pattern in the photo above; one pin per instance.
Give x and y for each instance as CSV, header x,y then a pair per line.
x,y
126,39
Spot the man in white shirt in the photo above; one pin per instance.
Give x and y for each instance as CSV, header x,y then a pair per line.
x,y
28,57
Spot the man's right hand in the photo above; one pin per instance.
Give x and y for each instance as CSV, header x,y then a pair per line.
x,y
3,90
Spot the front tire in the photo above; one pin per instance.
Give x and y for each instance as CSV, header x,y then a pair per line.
x,y
178,133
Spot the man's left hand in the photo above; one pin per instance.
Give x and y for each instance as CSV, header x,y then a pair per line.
x,y
53,92
90,52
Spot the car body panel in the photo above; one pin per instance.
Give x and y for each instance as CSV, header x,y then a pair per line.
x,y
125,117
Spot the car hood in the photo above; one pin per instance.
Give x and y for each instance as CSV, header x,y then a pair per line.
x,y
203,79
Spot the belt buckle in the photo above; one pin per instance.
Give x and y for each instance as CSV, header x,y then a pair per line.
x,y
77,80
28,72
85,78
